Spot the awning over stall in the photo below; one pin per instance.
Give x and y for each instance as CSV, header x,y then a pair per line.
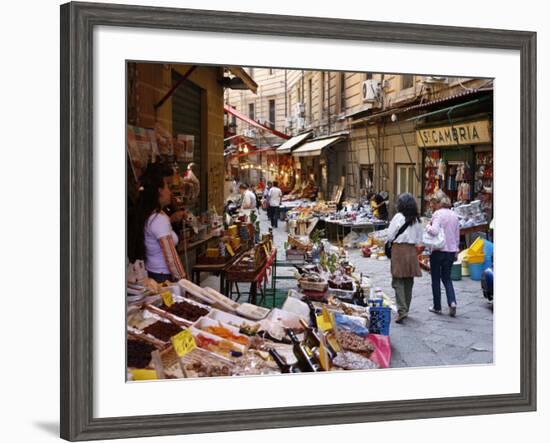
x,y
229,109
286,147
315,147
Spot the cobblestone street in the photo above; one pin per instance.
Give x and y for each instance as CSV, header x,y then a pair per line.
x,y
424,338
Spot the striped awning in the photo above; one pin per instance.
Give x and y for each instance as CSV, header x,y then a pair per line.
x,y
286,147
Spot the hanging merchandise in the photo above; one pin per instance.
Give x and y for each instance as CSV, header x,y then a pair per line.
x,y
460,172
451,179
441,169
463,194
191,185
164,140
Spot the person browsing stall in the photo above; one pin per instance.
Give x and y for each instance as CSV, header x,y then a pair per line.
x,y
379,206
441,260
248,197
152,238
405,231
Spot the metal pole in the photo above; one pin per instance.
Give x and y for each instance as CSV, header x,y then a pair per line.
x,y
407,149
173,88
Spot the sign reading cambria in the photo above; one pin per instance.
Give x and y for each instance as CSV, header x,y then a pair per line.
x,y
469,133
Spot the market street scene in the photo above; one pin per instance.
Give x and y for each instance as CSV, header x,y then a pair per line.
x,y
284,221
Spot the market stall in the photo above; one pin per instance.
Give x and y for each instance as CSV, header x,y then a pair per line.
x,y
333,320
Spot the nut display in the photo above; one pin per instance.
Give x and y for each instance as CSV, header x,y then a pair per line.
x,y
355,343
138,354
162,330
187,310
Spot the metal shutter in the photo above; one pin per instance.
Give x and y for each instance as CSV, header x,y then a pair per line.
x,y
186,119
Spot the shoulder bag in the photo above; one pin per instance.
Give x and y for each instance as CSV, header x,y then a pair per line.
x,y
389,243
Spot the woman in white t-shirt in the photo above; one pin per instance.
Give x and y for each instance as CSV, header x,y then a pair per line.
x,y
405,232
153,239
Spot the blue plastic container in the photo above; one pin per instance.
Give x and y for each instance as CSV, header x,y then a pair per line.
x,y
476,271
380,318
488,249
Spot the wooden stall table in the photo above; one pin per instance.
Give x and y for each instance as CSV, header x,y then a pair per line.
x,y
340,225
198,246
257,279
215,269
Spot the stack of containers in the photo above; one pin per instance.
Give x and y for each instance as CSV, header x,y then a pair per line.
x,y
479,257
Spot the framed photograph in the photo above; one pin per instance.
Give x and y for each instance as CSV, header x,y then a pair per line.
x,y
230,183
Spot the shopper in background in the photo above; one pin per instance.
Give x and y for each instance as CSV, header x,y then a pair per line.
x,y
151,237
265,200
379,206
404,262
248,201
275,196
441,260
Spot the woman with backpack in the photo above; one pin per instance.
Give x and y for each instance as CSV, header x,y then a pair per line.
x,y
404,233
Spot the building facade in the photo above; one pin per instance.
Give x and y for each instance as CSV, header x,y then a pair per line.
x,y
377,119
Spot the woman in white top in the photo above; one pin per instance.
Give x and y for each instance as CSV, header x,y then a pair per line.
x,y
404,261
152,238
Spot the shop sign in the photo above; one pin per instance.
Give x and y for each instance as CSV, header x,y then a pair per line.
x,y
470,133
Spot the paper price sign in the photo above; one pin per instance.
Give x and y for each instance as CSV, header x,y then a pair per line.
x,y
183,342
325,321
323,324
167,298
143,374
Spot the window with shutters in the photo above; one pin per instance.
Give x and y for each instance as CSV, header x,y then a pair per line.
x,y
272,114
405,178
407,81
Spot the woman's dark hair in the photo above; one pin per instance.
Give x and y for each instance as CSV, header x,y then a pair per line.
x,y
406,205
243,186
148,203
275,184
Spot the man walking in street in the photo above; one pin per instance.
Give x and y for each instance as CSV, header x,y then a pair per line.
x,y
274,200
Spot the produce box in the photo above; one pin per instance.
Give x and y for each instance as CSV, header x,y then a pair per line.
x,y
223,331
232,320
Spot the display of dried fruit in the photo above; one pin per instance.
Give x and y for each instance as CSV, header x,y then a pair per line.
x,y
222,347
222,332
353,361
355,343
203,369
187,310
138,354
162,330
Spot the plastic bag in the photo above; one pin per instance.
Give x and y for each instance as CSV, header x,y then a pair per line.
x,y
136,272
382,350
434,241
356,325
350,240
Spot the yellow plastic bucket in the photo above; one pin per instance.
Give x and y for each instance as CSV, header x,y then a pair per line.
x,y
476,247
475,259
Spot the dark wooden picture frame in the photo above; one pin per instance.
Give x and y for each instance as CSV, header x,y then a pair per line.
x,y
77,23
